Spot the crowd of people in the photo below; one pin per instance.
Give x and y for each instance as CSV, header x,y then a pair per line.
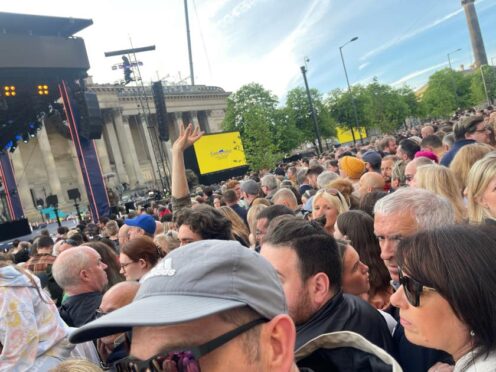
x,y
377,257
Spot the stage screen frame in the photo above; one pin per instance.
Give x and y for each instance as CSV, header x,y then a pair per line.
x,y
217,152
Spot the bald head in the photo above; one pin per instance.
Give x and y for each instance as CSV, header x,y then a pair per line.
x,y
119,295
411,168
285,197
427,131
80,270
371,181
123,235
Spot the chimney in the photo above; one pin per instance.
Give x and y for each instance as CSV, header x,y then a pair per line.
x,y
475,33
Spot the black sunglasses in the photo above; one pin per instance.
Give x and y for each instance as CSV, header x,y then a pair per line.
x,y
186,360
413,289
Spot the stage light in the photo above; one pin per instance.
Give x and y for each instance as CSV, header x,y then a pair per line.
x,y
25,137
9,91
43,90
14,146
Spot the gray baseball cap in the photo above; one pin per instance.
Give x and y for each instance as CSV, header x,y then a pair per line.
x,y
200,279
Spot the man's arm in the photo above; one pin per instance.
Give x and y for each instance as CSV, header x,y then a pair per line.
x,y
187,137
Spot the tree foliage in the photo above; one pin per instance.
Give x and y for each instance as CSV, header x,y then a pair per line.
x,y
378,106
252,111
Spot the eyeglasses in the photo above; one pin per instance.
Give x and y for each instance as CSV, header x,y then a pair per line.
x,y
412,288
186,360
334,192
409,177
126,264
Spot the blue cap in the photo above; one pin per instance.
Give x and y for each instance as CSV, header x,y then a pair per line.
x,y
143,221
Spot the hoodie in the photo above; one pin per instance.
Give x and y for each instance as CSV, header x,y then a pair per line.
x,y
32,334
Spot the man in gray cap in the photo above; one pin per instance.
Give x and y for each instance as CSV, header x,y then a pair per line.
x,y
249,191
217,305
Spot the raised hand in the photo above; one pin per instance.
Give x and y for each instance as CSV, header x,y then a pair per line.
x,y
187,137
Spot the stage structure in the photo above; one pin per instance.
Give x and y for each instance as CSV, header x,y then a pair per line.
x,y
42,72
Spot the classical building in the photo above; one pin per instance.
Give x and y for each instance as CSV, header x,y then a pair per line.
x,y
48,165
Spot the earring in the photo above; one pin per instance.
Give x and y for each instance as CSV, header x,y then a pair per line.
x,y
472,333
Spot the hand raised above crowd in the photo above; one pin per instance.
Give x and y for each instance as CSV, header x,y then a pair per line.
x,y
187,137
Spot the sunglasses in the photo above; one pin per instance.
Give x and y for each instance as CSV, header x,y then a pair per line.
x,y
182,361
413,289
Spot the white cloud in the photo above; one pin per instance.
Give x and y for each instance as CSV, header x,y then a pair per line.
x,y
418,73
278,69
363,65
400,39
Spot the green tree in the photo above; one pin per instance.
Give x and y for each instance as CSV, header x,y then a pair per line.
x,y
477,90
385,107
446,92
299,114
252,111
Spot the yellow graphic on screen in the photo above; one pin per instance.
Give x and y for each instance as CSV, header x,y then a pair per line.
x,y
219,151
344,134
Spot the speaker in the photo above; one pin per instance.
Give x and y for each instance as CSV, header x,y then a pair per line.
x,y
74,194
52,201
161,110
91,123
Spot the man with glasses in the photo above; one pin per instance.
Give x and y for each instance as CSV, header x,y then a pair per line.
x,y
467,130
398,215
212,305
411,168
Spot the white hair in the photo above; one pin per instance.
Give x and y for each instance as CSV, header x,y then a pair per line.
x,y
429,210
325,178
270,181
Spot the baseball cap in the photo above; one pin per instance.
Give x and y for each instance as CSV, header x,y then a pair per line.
x,y
144,221
373,158
200,279
250,187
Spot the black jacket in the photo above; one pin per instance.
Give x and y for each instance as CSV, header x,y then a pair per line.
x,y
80,309
346,313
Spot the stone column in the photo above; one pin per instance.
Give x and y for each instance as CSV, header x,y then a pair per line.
x,y
77,169
478,49
203,120
149,145
116,151
49,161
130,157
194,119
22,182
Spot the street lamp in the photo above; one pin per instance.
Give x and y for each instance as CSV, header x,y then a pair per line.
x,y
449,59
349,90
310,103
452,77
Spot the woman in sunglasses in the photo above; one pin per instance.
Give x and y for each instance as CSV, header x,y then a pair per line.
x,y
447,297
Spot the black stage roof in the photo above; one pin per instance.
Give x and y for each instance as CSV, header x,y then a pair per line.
x,y
28,24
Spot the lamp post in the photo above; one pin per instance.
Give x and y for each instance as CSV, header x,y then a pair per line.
x,y
452,77
310,103
349,90
449,59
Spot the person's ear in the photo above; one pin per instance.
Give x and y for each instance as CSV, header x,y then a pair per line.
x,y
278,339
319,288
142,263
84,275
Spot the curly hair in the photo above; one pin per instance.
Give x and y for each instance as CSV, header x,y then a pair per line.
x,y
206,221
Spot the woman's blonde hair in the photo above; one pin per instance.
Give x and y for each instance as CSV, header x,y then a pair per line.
x,y
440,181
482,173
464,159
239,228
338,200
252,220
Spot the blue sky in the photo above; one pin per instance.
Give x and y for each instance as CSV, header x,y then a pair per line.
x,y
240,41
